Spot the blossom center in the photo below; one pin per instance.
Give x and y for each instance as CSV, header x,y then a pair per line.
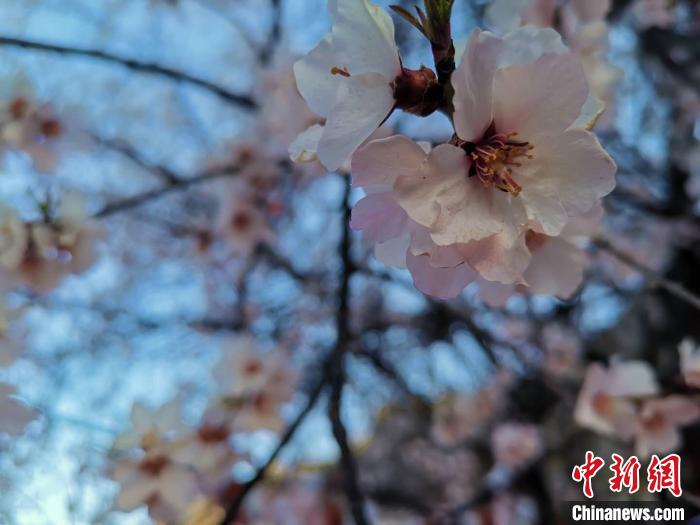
x,y
253,367
494,158
154,466
241,221
211,434
654,421
603,404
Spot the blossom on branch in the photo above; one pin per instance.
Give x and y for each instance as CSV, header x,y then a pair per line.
x,y
606,402
518,180
354,78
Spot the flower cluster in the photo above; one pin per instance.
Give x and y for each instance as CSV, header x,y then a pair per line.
x,y
625,400
510,199
33,128
40,253
178,469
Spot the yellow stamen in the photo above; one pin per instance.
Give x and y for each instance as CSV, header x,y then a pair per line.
x,y
342,71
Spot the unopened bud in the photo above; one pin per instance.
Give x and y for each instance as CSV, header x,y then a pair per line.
x,y
418,91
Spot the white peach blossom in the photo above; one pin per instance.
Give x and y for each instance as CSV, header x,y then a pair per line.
x,y
529,261
243,367
166,487
659,422
253,384
241,221
606,402
348,77
33,128
150,428
444,210
207,449
520,165
62,245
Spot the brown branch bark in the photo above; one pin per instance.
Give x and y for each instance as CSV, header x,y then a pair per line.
x,y
234,508
337,373
654,278
135,201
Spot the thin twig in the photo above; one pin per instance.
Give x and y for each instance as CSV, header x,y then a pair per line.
x,y
383,366
125,149
242,101
180,184
235,506
337,373
268,49
655,279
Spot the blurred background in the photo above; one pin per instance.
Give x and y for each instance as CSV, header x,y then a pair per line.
x,y
154,133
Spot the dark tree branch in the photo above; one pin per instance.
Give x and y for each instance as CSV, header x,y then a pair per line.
x,y
125,149
387,369
242,101
135,201
654,278
337,373
268,49
233,509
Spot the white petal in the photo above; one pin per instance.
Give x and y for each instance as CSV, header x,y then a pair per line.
x,y
544,96
544,211
493,294
362,104
418,193
379,217
556,268
501,258
469,211
303,149
178,487
393,252
314,79
473,85
363,38
590,113
443,283
571,168
632,379
134,491
382,161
